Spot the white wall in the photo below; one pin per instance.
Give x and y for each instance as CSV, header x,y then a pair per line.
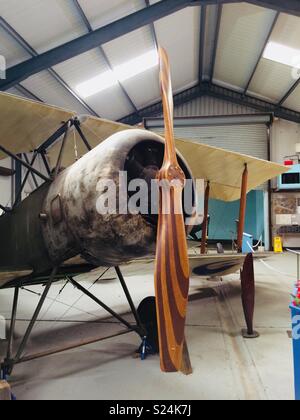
x,y
284,136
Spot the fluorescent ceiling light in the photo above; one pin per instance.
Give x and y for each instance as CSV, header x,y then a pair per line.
x,y
282,54
120,73
97,84
136,66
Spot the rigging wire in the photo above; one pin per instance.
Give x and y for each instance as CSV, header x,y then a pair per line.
x,y
58,301
268,265
80,297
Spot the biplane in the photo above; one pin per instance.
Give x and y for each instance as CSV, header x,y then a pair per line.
x,y
56,232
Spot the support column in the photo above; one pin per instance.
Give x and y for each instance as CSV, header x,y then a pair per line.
x,y
205,221
243,206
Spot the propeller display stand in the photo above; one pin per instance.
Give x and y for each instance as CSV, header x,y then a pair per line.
x,y
248,296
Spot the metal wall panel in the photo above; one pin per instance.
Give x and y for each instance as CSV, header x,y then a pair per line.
x,y
208,106
250,139
247,139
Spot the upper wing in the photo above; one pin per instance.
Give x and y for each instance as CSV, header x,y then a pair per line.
x,y
26,124
96,130
222,168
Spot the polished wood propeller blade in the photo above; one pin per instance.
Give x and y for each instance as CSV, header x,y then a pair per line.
x,y
172,264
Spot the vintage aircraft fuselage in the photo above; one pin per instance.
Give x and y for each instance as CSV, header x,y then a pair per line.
x,y
60,220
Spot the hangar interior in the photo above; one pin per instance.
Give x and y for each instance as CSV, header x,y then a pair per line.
x,y
236,86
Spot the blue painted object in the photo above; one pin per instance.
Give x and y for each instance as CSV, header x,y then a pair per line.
x,y
223,217
290,180
247,244
296,345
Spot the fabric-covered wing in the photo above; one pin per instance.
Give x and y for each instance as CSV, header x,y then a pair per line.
x,y
96,130
216,265
26,124
222,168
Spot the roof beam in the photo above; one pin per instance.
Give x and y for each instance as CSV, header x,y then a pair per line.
x,y
157,108
291,7
98,37
262,51
210,89
27,93
119,28
252,102
216,41
202,41
31,51
289,93
152,26
103,53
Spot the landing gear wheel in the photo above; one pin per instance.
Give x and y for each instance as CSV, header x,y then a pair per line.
x,y
148,317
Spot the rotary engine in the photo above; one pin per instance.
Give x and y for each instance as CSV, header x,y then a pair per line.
x,y
72,223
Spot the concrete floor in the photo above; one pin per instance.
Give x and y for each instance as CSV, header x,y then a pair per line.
x,y
226,366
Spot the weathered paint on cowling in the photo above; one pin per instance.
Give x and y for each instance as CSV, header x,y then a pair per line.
x,y
101,239
22,244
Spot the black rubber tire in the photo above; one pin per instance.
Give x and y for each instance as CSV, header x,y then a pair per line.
x,y
148,317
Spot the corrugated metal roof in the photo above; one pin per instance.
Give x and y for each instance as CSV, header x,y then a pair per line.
x,y
111,103
13,53
293,102
244,29
287,31
210,33
45,24
143,88
180,35
207,106
15,91
50,91
272,80
102,13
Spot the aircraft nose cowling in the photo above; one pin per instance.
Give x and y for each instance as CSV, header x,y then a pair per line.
x,y
86,207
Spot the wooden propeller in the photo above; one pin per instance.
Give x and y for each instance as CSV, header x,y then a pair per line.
x,y
172,263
